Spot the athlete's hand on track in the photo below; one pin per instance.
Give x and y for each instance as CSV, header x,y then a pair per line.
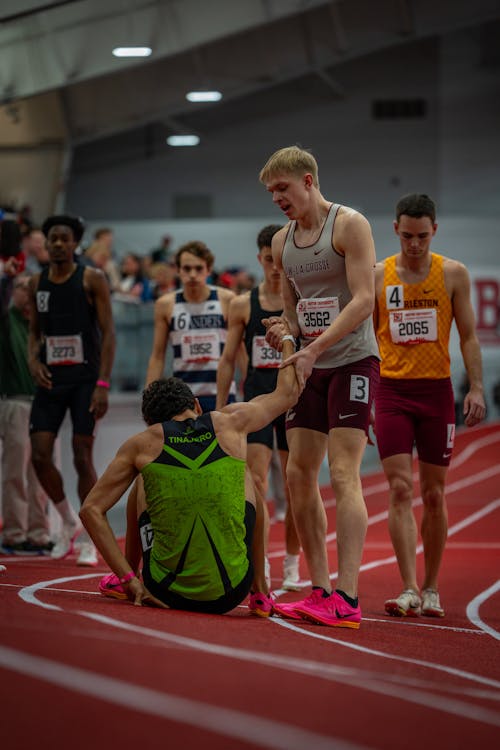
x,y
141,597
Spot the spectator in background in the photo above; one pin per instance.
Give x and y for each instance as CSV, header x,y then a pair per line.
x,y
134,283
100,255
163,252
24,503
35,251
163,278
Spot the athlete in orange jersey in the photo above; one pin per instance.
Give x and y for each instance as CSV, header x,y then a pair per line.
x,y
418,294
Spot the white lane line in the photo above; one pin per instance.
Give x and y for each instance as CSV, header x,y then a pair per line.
x,y
393,657
27,593
459,526
473,479
473,610
395,622
342,674
221,721
408,622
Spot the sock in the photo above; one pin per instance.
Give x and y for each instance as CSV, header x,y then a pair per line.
x,y
325,592
66,511
290,560
348,599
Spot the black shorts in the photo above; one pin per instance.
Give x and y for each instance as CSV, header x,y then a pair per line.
x,y
224,603
266,434
50,406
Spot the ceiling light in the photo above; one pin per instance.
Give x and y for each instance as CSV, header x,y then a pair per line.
x,y
132,51
183,140
204,96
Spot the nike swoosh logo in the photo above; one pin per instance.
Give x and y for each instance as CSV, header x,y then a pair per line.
x,y
345,416
341,617
427,291
290,415
317,252
446,455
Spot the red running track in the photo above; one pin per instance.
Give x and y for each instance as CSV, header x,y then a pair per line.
x,y
82,671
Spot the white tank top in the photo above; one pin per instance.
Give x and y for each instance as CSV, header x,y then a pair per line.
x,y
317,273
198,334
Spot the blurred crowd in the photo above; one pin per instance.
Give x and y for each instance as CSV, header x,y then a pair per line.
x,y
134,276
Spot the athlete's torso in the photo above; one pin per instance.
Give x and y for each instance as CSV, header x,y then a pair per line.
x,y
317,273
195,495
414,322
68,324
263,360
198,334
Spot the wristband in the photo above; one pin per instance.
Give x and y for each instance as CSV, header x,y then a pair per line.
x,y
288,337
103,383
127,577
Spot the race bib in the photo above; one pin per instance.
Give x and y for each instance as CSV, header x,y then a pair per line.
x,y
200,347
316,314
64,350
264,355
413,326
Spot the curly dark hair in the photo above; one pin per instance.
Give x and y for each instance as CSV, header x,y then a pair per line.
x,y
265,236
416,205
164,399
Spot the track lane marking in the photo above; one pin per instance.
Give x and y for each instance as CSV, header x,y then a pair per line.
x,y
472,610
221,721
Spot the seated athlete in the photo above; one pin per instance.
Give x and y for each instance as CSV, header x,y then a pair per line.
x,y
195,511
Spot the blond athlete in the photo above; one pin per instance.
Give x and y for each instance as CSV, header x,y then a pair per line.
x,y
326,258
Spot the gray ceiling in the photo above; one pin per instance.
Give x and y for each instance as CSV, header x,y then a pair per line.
x,y
248,49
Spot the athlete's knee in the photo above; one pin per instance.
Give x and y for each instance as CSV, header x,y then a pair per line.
x,y
82,457
345,479
401,489
260,483
433,497
41,453
297,476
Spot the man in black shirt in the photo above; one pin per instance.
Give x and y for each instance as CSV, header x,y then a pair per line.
x,y
71,351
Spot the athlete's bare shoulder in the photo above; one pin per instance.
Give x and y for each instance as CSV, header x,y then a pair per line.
x,y
239,305
456,274
224,294
278,243
352,231
164,306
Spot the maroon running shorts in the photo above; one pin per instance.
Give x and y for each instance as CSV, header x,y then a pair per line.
x,y
337,397
417,412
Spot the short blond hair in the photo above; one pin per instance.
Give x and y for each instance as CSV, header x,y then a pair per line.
x,y
290,160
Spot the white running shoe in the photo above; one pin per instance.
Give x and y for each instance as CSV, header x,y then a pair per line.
x,y
88,555
65,541
2,568
291,577
407,604
431,606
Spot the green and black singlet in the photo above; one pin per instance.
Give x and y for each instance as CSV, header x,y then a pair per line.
x,y
195,495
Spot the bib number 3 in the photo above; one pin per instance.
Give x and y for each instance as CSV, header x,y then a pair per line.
x,y
360,389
